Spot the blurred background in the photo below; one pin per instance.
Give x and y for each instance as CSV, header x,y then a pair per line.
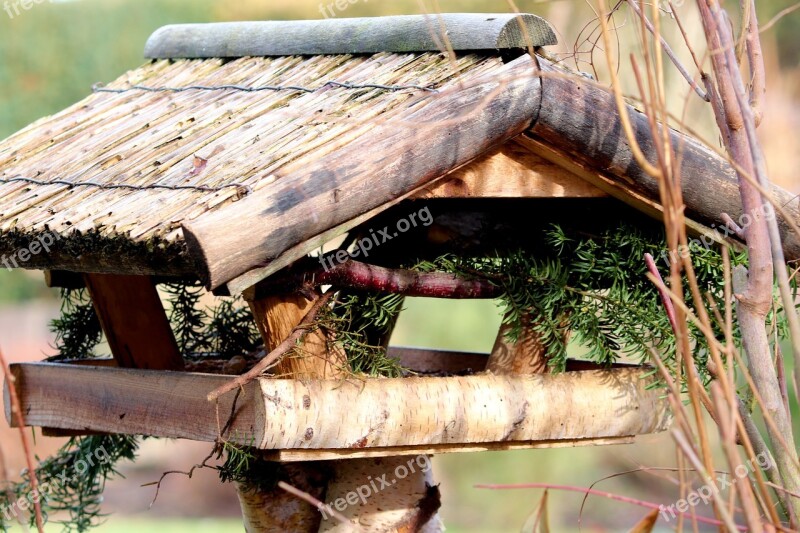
x,y
52,53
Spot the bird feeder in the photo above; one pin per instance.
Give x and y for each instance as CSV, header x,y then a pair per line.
x,y
239,149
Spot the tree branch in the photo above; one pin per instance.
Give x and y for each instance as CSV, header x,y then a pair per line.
x,y
282,349
363,276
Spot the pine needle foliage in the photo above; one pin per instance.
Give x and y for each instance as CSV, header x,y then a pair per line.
x,y
72,481
594,289
224,330
78,329
243,464
353,320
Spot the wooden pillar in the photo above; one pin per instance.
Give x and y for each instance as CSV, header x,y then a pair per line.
x,y
133,319
407,505
275,317
526,356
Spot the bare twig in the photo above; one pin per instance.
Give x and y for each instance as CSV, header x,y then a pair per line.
x,y
297,335
665,299
732,225
319,505
602,494
357,275
670,53
721,509
782,13
16,413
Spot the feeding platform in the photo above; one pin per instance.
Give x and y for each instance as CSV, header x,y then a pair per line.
x,y
241,150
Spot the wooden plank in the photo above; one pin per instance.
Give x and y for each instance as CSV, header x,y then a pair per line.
x,y
424,360
349,453
367,35
130,401
358,413
589,130
398,156
134,322
511,171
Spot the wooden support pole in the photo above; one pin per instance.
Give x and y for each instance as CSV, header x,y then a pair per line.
x,y
275,509
275,317
526,356
402,506
134,322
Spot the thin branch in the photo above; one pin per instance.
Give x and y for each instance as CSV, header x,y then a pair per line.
x,y
16,412
722,510
782,13
297,335
357,275
321,507
636,150
665,299
670,53
603,494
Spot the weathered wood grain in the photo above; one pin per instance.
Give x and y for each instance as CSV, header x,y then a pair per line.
x,y
588,128
333,414
395,158
510,171
349,453
134,322
367,35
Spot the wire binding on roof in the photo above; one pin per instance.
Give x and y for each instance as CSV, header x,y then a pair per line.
x,y
99,88
242,188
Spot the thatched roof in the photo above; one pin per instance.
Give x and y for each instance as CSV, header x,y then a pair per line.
x,y
115,175
241,147
94,167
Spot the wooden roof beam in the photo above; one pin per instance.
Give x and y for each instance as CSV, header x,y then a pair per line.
x,y
366,35
364,177
578,127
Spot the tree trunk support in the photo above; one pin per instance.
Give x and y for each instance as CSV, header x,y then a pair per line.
x,y
408,505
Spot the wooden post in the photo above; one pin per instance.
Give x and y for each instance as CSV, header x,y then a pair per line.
x,y
406,505
133,319
277,510
526,356
275,317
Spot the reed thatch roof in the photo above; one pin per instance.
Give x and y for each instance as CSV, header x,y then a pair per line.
x,y
136,164
242,147
114,176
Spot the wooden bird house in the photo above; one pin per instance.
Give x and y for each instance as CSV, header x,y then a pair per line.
x,y
298,164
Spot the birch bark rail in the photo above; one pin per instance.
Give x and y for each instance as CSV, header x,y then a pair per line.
x,y
344,414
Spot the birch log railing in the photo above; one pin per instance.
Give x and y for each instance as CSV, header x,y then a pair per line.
x,y
348,416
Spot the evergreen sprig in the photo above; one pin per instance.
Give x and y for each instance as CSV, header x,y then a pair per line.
x,y
356,318
594,289
77,330
225,330
72,481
